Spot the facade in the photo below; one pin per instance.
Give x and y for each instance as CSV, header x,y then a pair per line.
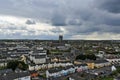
x,y
117,78
49,65
38,59
101,63
113,60
91,65
38,56
81,67
101,54
23,78
57,72
3,63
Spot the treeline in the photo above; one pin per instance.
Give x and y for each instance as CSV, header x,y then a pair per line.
x,y
84,57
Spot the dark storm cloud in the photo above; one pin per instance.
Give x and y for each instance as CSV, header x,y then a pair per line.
x,y
58,20
75,16
112,6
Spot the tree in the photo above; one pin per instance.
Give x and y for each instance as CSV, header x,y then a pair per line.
x,y
12,65
91,57
17,64
22,65
81,57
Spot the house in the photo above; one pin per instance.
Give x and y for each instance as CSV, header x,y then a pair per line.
x,y
63,59
49,65
81,67
97,64
113,60
38,56
3,63
78,62
2,58
91,64
16,76
38,59
113,68
34,74
13,57
101,63
117,78
57,72
100,54
54,59
5,71
70,69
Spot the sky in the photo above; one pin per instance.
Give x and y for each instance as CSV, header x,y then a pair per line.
x,y
47,19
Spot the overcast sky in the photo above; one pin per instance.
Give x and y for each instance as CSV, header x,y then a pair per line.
x,y
46,19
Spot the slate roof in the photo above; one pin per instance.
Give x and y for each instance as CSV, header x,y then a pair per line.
x,y
117,78
101,61
40,56
5,71
3,61
80,65
12,76
54,70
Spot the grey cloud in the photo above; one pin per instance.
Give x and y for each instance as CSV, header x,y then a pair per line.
x,y
56,30
76,16
30,22
112,6
58,20
74,22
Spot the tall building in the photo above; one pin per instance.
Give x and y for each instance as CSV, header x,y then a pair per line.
x,y
60,38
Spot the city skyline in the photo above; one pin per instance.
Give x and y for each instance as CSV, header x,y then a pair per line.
x,y
74,19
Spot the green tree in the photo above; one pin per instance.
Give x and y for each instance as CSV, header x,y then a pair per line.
x,y
91,57
12,65
22,65
17,64
81,57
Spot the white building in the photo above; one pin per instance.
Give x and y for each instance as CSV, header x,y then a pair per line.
x,y
49,65
38,59
101,54
39,56
113,60
3,63
113,68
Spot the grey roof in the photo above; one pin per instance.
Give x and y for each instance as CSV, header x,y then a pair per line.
x,y
54,70
117,78
12,76
101,61
39,51
5,71
3,61
81,65
40,56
